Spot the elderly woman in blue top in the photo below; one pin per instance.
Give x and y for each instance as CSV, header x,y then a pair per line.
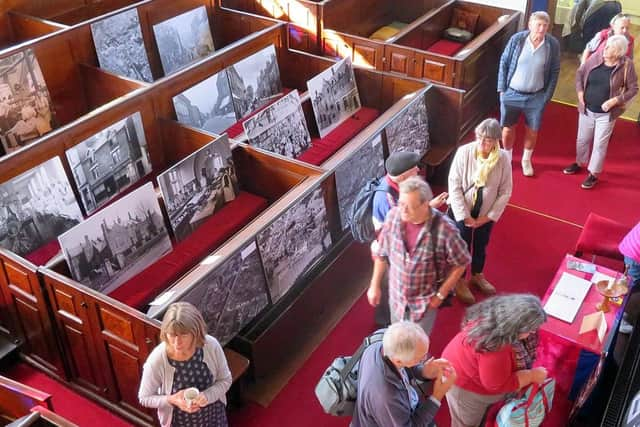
x,y
186,358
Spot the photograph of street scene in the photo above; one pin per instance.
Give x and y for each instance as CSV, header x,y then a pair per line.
x,y
183,39
120,47
36,207
334,96
110,161
280,128
409,131
198,186
255,81
293,242
231,295
118,242
352,174
25,104
207,105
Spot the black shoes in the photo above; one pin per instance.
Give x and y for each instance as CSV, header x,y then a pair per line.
x,y
589,182
571,169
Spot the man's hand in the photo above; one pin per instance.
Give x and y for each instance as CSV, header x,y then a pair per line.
x,y
435,368
373,294
434,302
443,383
439,200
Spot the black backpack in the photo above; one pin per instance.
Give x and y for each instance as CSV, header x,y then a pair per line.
x,y
360,217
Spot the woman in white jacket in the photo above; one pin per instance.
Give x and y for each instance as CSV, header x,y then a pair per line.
x,y
186,358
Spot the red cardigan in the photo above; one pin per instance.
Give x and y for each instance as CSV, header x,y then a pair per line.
x,y
482,372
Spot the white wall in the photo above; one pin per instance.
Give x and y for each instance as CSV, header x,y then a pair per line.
x,y
520,5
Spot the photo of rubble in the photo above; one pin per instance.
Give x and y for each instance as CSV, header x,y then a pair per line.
x,y
232,295
25,104
118,242
280,128
409,130
352,174
198,186
110,161
183,39
36,207
255,81
293,242
120,46
334,96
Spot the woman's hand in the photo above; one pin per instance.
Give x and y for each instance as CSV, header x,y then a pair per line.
x,y
439,200
609,104
470,222
177,399
538,375
435,368
201,401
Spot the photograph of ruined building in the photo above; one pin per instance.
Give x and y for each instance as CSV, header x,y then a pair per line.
x,y
118,242
183,39
409,130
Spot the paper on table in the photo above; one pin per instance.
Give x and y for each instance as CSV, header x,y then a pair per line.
x,y
597,276
595,321
567,296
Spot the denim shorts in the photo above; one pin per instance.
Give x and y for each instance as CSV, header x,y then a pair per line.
x,y
513,103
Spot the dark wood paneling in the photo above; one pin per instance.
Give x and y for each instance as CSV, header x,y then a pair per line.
x,y
25,27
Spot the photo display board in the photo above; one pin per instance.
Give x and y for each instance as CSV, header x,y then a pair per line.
x,y
409,130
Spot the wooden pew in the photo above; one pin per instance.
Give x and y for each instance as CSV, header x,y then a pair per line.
x,y
17,399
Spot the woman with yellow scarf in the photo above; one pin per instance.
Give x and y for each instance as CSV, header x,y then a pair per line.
x,y
479,190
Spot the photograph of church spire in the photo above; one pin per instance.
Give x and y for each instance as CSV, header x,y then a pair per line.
x,y
109,162
118,242
334,96
183,39
198,186
409,130
255,81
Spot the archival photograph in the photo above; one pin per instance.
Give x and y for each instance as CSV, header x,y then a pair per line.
x,y
334,96
183,39
207,105
110,161
352,174
118,242
36,207
25,104
293,242
280,128
409,131
120,47
255,81
231,295
198,186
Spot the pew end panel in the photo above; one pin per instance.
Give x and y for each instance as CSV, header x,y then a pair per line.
x,y
20,28
17,399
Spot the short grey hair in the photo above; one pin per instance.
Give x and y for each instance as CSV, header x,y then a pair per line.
x,y
620,45
489,128
499,321
401,339
619,17
540,15
416,183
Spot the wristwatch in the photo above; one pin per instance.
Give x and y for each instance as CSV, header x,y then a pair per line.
x,y
440,296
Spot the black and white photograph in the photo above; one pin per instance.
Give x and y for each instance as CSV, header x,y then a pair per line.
x,y
293,242
25,104
334,96
118,242
36,207
207,105
198,186
280,128
232,294
352,174
109,162
255,81
409,130
120,46
183,39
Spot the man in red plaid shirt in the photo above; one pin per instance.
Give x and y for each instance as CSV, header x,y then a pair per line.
x,y
422,272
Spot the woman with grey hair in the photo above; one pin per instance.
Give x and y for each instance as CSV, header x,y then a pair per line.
x,y
605,83
493,355
479,189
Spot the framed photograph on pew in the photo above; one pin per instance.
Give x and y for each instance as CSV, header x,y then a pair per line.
x,y
109,162
334,96
183,39
25,103
409,130
118,242
255,81
280,128
198,186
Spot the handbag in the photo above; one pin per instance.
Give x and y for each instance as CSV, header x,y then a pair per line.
x,y
449,212
530,407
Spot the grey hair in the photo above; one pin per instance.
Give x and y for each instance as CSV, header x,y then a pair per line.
x,y
401,339
620,44
489,128
416,183
540,15
499,320
619,17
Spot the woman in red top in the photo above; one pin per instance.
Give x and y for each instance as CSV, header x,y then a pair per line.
x,y
493,354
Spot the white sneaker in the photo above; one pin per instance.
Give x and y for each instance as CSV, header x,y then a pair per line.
x,y
527,168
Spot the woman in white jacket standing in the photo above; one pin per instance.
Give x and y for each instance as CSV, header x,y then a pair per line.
x,y
186,358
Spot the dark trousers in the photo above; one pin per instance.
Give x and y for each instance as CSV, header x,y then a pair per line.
x,y
477,240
